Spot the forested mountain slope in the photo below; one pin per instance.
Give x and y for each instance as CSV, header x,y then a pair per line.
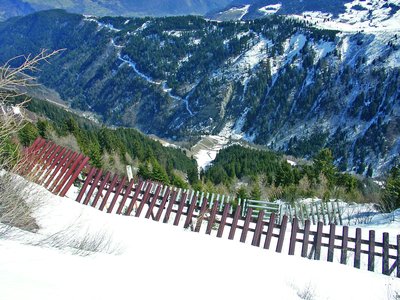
x,y
274,81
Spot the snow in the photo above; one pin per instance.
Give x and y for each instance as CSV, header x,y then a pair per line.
x,y
322,49
270,9
374,16
207,149
16,110
160,261
254,55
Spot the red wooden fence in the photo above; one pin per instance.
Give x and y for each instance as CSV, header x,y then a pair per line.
x,y
53,166
58,168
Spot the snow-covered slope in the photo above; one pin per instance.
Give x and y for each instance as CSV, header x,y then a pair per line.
x,y
346,15
160,261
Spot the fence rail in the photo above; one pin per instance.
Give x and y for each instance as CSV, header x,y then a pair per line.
x,y
58,168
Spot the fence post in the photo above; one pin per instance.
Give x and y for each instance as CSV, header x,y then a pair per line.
x,y
282,233
385,254
259,229
398,257
331,244
212,218
292,244
318,240
345,238
270,229
306,235
223,220
371,251
246,225
234,223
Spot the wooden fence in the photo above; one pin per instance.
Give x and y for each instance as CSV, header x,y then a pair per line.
x,y
327,212
212,215
52,166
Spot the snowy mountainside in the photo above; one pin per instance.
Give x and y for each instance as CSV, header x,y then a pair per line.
x,y
346,15
275,81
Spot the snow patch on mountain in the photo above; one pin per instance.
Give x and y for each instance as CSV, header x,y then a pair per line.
x,y
270,9
360,15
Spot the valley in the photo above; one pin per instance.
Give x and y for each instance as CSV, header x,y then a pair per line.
x,y
277,82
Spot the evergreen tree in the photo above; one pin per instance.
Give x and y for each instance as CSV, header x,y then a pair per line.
x,y
391,193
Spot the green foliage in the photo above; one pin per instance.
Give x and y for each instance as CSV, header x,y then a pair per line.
x,y
94,141
28,134
390,200
255,193
10,153
242,193
238,162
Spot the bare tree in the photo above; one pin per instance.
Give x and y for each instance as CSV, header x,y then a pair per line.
x,y
14,210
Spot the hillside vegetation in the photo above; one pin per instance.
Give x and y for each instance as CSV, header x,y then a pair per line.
x,y
276,81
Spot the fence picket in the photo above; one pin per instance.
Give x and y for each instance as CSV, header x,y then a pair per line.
x,y
293,233
317,241
371,251
118,190
385,254
345,237
398,257
189,217
200,218
125,197
78,169
144,199
109,191
211,220
81,159
246,225
304,248
234,223
282,233
182,203
170,205
223,219
100,190
331,243
270,230
63,170
59,164
162,204
86,184
153,202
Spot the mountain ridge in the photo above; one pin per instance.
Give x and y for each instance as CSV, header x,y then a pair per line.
x,y
275,81
11,8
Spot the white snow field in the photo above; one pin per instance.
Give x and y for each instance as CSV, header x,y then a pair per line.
x,y
159,261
